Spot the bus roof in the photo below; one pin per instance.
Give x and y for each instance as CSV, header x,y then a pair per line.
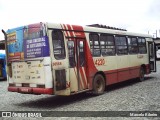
x,y
116,31
90,28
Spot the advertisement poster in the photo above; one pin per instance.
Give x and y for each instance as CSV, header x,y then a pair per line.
x,y
38,47
27,42
15,44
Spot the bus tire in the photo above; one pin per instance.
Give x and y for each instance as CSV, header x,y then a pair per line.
x,y
98,84
141,74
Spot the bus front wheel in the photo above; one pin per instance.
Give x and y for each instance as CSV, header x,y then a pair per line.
x,y
98,84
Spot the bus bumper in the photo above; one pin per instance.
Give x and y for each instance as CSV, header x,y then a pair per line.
x,y
29,90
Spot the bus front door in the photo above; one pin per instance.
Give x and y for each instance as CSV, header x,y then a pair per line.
x,y
152,56
76,50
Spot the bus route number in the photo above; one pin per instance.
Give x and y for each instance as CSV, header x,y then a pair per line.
x,y
99,62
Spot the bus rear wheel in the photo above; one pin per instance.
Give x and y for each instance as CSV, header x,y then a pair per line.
x,y
98,84
141,74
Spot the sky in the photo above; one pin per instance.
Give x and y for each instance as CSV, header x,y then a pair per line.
x,y
140,16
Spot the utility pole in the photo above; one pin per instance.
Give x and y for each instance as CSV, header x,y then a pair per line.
x,y
155,34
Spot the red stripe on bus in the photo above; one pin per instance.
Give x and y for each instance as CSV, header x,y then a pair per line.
x,y
69,35
29,90
43,90
91,70
83,78
123,74
77,78
71,32
13,89
65,29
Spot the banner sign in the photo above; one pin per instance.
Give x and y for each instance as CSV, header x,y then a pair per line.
x,y
38,114
38,47
27,42
15,44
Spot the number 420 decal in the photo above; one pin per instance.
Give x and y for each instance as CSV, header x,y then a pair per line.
x,y
99,62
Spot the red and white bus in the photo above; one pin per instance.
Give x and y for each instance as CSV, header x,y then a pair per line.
x,y
63,59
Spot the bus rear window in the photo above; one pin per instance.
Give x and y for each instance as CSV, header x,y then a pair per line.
x,y
33,31
58,44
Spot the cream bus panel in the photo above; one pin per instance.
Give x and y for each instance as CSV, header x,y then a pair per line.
x,y
138,60
28,72
73,79
105,63
32,72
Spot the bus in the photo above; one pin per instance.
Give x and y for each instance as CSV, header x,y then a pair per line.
x,y
3,75
63,59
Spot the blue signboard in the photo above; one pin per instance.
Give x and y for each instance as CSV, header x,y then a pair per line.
x,y
38,47
15,44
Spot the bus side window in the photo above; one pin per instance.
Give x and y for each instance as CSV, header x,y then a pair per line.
x,y
142,45
133,45
107,45
71,53
121,45
81,53
58,44
94,44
